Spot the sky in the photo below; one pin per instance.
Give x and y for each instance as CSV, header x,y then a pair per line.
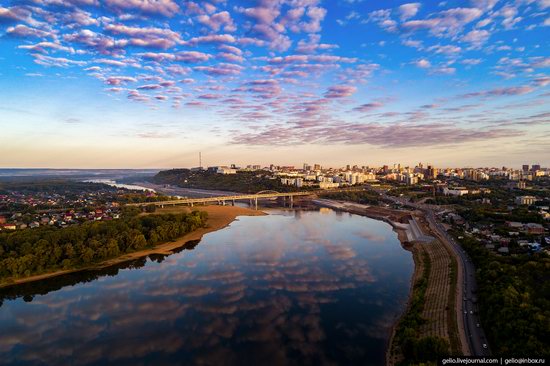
x,y
151,83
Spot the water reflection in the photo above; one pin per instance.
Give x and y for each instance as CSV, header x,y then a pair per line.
x,y
28,290
269,290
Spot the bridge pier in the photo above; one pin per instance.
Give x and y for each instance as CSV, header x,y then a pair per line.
x,y
256,202
291,202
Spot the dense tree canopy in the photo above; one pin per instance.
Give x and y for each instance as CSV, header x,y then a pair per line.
x,y
362,197
28,252
514,300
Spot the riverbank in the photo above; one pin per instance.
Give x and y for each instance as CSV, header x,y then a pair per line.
x,y
218,218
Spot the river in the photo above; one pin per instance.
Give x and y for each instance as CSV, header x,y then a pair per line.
x,y
291,288
113,183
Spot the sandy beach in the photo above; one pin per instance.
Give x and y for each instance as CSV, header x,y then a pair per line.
x,y
218,218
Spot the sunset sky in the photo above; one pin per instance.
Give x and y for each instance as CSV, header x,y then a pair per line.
x,y
150,83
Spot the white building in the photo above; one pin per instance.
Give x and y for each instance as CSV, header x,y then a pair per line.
x,y
328,185
525,200
458,191
226,170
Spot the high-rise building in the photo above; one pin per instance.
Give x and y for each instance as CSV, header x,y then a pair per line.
x,y
431,172
535,167
525,167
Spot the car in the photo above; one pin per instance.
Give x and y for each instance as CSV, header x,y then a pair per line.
x,y
471,311
477,325
485,345
465,312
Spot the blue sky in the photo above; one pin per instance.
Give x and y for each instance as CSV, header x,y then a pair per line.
x,y
150,83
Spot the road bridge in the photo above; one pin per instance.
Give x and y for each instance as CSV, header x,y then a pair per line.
x,y
222,200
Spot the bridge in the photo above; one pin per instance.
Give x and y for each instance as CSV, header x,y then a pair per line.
x,y
221,200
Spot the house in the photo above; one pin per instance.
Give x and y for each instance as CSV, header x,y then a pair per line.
x,y
2,220
525,200
514,225
8,226
533,228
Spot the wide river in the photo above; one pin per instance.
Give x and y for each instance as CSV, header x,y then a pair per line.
x,y
291,288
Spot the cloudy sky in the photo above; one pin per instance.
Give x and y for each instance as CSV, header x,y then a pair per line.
x,y
150,83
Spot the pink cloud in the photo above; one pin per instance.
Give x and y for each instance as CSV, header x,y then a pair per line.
x,y
158,57
167,8
213,38
445,23
55,61
230,57
23,31
340,91
149,87
119,80
409,10
476,37
192,56
509,91
217,21
386,135
368,107
146,37
221,69
45,47
96,41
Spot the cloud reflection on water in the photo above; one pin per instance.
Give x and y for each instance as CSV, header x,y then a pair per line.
x,y
272,290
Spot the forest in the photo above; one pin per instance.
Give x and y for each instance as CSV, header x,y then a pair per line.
x,y
54,186
245,182
362,197
514,300
47,249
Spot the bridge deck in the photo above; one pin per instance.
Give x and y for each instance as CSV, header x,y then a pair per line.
x,y
185,201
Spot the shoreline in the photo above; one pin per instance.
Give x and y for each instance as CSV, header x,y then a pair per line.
x,y
219,217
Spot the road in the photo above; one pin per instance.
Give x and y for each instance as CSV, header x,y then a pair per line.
x,y
475,336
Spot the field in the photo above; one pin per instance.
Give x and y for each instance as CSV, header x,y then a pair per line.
x,y
431,312
439,310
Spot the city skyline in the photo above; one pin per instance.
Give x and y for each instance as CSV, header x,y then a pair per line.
x,y
149,84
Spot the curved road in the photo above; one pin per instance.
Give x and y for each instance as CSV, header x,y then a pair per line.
x,y
475,336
